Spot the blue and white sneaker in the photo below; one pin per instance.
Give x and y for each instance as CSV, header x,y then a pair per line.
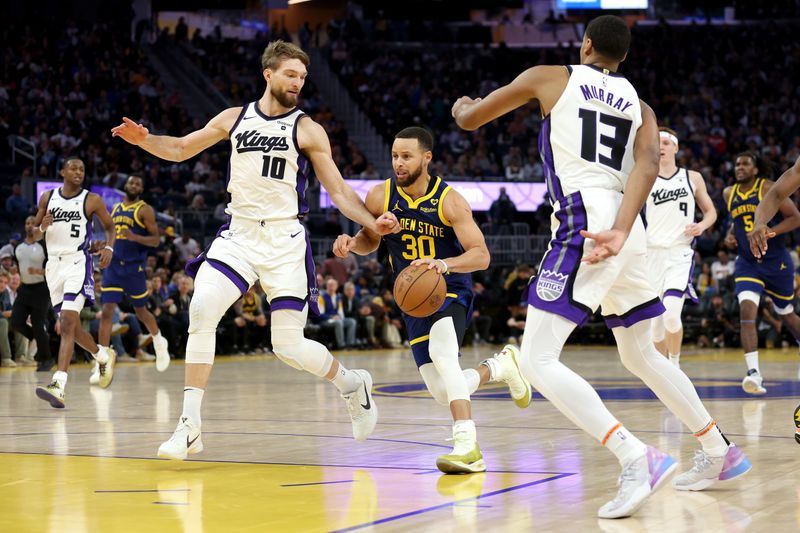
x,y
638,481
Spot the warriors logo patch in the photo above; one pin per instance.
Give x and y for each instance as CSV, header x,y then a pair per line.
x,y
550,285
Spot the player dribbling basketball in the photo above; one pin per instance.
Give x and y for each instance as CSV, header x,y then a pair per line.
x,y
437,229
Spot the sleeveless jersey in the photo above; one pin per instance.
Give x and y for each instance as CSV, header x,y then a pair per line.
x,y
742,208
71,230
670,208
127,216
587,139
267,174
424,233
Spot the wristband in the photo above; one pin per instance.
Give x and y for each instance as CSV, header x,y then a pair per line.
x,y
40,228
445,265
109,248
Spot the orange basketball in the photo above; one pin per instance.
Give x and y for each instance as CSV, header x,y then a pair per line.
x,y
419,291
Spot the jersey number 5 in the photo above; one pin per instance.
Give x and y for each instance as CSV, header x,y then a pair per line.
x,y
748,223
616,143
416,248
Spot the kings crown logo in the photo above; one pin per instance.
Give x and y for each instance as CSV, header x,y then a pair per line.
x,y
550,285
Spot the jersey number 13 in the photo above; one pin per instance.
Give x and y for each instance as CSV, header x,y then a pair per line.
x,y
615,143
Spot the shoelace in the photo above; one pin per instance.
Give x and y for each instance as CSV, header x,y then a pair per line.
x,y
624,482
701,461
353,405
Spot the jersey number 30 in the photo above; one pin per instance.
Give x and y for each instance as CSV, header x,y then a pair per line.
x,y
616,142
422,246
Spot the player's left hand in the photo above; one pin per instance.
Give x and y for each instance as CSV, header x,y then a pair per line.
x,y
105,257
127,234
607,244
692,230
342,245
387,223
431,262
462,104
758,239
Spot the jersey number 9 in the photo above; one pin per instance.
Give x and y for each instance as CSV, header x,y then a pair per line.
x,y
422,246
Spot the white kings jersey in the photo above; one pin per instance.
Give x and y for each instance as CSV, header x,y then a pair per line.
x,y
587,139
669,209
71,230
267,174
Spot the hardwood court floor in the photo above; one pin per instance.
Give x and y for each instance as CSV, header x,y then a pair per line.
x,y
279,454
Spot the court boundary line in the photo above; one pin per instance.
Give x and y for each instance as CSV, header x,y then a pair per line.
x,y
416,512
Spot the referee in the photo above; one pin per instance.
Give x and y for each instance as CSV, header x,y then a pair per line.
x,y
33,298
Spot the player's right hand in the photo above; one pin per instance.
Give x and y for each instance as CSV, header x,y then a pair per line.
x,y
343,244
730,241
46,221
758,239
130,131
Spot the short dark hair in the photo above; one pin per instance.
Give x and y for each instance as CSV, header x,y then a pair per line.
x,y
422,135
753,157
610,36
68,159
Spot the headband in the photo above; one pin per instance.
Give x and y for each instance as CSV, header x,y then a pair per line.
x,y
668,135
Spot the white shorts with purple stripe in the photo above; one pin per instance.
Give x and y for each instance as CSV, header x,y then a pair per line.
x,y
620,285
69,278
276,253
670,270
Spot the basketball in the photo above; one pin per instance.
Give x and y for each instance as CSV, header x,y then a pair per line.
x,y
419,291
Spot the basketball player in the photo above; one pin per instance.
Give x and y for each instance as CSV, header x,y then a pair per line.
x,y
438,230
767,208
671,228
772,272
272,145
136,231
597,141
64,220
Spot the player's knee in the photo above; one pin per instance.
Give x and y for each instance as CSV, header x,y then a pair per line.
x,y
434,383
672,322
205,312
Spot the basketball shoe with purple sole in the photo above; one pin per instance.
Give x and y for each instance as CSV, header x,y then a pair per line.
x,y
708,470
638,481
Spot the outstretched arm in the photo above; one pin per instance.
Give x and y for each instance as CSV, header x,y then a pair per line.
x,y
365,241
315,145
640,183
178,148
535,83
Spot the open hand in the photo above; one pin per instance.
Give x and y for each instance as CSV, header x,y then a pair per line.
x,y
130,131
438,264
608,243
758,239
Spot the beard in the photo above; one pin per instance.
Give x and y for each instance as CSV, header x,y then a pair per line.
x,y
283,98
413,176
131,197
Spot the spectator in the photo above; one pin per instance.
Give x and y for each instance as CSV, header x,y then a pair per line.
x,y
5,318
17,207
8,249
722,267
502,213
334,267
187,247
250,333
177,309
332,316
718,328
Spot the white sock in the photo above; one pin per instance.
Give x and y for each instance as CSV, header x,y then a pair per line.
x,y
473,379
711,440
192,400
624,445
465,426
674,358
752,360
346,380
61,378
102,355
494,369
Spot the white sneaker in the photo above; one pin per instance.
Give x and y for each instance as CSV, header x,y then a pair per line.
x,y
752,383
518,386
637,482
8,363
94,378
362,408
708,470
106,366
184,441
52,393
161,347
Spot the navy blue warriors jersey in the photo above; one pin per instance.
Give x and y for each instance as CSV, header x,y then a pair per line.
x,y
742,208
127,216
425,233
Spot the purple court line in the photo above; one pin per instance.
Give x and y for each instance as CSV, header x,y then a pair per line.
x,y
171,503
450,504
267,463
318,483
143,490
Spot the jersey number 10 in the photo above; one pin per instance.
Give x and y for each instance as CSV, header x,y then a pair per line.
x,y
616,143
274,167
